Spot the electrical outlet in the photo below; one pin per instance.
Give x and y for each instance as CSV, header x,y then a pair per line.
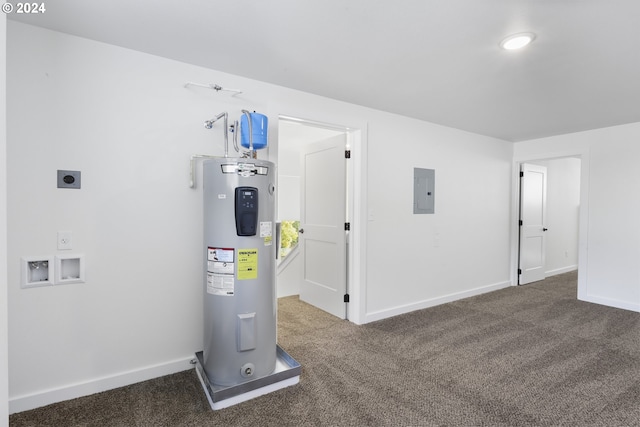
x,y
65,240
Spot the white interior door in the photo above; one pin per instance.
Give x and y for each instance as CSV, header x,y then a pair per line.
x,y
533,207
322,237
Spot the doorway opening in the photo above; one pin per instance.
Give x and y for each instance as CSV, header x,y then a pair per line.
x,y
315,198
549,218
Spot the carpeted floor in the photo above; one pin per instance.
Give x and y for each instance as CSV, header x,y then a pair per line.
x,y
531,355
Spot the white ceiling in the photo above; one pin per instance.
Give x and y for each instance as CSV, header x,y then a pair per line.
x,y
436,60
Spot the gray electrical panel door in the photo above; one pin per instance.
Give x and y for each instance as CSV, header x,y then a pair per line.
x,y
424,191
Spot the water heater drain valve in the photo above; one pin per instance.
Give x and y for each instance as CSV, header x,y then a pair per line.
x,y
247,370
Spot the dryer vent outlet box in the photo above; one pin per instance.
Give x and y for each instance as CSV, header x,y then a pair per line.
x,y
424,191
68,179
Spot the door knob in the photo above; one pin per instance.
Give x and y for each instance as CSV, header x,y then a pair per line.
x,y
544,229
301,231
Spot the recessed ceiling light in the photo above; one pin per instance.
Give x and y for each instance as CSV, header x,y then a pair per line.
x,y
517,41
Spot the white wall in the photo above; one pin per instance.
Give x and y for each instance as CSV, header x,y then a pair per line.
x,y
127,123
289,272
125,120
609,272
289,276
563,209
4,380
415,261
288,184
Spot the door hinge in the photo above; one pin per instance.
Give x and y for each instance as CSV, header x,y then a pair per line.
x,y
347,154
519,271
347,226
346,297
521,174
520,223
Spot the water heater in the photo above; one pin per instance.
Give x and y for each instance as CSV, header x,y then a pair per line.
x,y
239,285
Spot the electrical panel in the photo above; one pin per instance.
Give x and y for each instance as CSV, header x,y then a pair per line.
x,y
424,181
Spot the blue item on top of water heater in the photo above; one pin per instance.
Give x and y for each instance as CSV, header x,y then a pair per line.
x,y
259,126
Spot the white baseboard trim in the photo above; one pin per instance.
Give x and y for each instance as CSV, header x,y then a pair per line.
x,y
72,391
562,270
395,311
625,305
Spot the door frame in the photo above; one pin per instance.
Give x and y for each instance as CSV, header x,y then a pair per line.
x,y
583,154
356,204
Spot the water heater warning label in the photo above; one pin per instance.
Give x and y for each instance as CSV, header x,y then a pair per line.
x,y
220,284
220,254
220,270
266,228
247,264
266,232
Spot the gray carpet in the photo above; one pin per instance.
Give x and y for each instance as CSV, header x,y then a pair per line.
x,y
531,355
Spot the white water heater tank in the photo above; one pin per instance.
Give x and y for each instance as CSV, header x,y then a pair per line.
x,y
239,285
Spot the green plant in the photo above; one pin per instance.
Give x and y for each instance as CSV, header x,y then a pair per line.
x,y
288,236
